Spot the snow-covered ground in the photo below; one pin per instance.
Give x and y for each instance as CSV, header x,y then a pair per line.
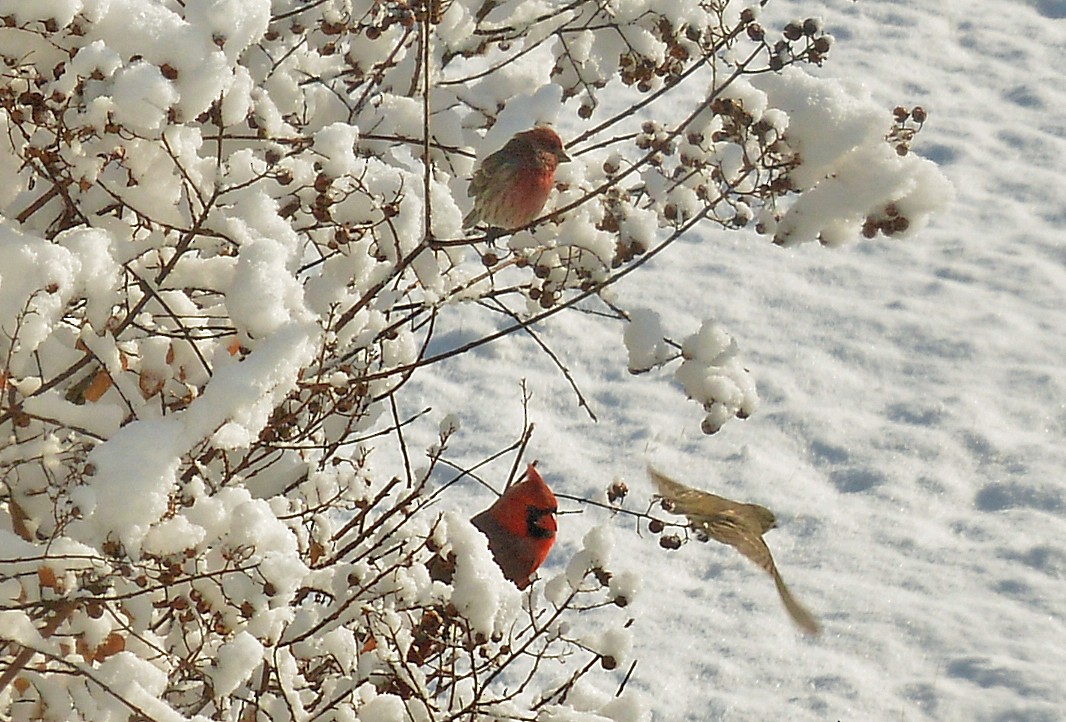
x,y
911,436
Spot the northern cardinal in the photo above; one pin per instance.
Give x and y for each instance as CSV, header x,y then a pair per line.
x,y
734,523
521,527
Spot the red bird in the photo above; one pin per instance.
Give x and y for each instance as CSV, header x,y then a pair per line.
x,y
511,185
521,527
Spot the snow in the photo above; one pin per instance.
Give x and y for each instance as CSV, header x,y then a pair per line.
x,y
644,339
481,593
713,374
234,663
383,708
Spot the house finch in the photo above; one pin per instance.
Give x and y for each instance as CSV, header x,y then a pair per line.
x,y
736,524
511,185
521,527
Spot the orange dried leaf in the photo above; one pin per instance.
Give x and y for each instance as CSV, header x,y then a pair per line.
x,y
18,520
114,644
316,552
369,646
234,346
46,577
99,386
22,684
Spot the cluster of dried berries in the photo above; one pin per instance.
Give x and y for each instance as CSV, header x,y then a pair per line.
x,y
815,43
889,222
907,123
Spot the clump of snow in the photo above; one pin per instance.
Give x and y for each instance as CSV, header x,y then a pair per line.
x,y
713,375
234,663
336,145
133,681
36,280
613,643
172,536
133,477
340,644
480,592
19,628
236,23
62,12
450,424
141,96
595,553
265,295
98,272
625,585
383,708
848,172
586,703
645,341
597,544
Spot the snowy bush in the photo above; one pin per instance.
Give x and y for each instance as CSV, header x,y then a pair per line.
x,y
228,228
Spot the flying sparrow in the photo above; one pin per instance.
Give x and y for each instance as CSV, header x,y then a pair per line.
x,y
734,523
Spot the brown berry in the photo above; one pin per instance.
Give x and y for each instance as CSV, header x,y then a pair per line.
x,y
671,541
900,224
617,492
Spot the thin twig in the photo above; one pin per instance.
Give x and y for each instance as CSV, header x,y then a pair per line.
x,y
581,401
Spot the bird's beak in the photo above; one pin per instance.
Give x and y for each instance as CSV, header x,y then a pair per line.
x,y
562,156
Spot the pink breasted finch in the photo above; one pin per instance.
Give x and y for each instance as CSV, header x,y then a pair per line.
x,y
511,186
